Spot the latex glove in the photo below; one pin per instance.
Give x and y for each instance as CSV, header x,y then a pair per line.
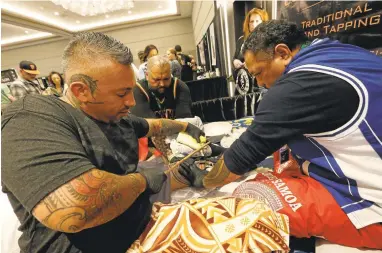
x,y
174,159
195,132
192,173
154,179
237,64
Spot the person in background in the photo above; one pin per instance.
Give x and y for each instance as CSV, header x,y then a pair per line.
x,y
194,67
175,62
186,64
150,51
70,165
27,82
6,97
325,104
253,18
160,95
141,55
57,80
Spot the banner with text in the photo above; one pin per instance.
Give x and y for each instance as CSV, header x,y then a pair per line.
x,y
354,22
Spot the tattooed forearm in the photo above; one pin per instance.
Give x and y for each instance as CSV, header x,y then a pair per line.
x,y
160,143
219,175
89,200
165,127
177,180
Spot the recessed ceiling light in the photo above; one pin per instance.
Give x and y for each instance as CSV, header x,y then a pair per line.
x,y
107,16
56,13
129,12
77,21
42,8
26,32
159,6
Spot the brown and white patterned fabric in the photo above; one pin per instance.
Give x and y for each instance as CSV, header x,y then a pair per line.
x,y
224,224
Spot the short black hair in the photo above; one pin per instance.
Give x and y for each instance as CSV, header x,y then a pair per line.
x,y
178,48
271,33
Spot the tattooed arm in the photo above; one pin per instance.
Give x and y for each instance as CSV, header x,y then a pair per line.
x,y
170,127
219,175
165,127
89,200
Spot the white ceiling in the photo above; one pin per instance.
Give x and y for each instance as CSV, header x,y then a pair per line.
x,y
25,21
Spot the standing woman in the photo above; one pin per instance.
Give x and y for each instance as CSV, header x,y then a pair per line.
x,y
150,51
57,81
176,67
253,18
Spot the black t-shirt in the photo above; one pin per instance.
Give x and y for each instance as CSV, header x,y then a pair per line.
x,y
46,143
238,51
186,74
298,103
152,105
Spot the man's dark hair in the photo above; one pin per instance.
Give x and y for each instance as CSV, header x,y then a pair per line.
x,y
268,34
178,48
147,51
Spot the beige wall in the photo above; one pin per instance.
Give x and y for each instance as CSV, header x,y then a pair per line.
x,y
164,35
203,13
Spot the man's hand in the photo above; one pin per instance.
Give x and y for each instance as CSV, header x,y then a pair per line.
x,y
154,179
195,132
192,173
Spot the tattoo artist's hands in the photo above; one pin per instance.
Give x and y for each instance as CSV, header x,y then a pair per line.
x,y
154,179
195,132
192,173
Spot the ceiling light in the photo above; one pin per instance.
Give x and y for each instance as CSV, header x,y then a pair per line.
x,y
56,13
159,6
171,9
26,32
25,38
77,21
107,16
129,12
94,7
42,8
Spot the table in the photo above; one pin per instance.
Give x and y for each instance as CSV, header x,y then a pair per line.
x,y
227,108
211,88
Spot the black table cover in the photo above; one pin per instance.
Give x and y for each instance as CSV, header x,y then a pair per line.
x,y
206,89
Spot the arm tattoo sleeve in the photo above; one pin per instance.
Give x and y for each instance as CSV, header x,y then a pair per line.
x,y
165,127
219,175
89,200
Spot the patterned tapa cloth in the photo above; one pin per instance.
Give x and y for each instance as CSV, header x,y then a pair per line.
x,y
224,224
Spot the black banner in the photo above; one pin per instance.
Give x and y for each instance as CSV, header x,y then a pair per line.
x,y
354,22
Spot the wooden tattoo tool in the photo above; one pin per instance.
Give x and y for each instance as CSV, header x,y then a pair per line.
x,y
176,165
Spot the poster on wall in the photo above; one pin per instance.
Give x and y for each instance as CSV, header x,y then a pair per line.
x,y
354,22
201,53
212,44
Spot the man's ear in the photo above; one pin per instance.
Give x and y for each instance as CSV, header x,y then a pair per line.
x,y
283,52
81,91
